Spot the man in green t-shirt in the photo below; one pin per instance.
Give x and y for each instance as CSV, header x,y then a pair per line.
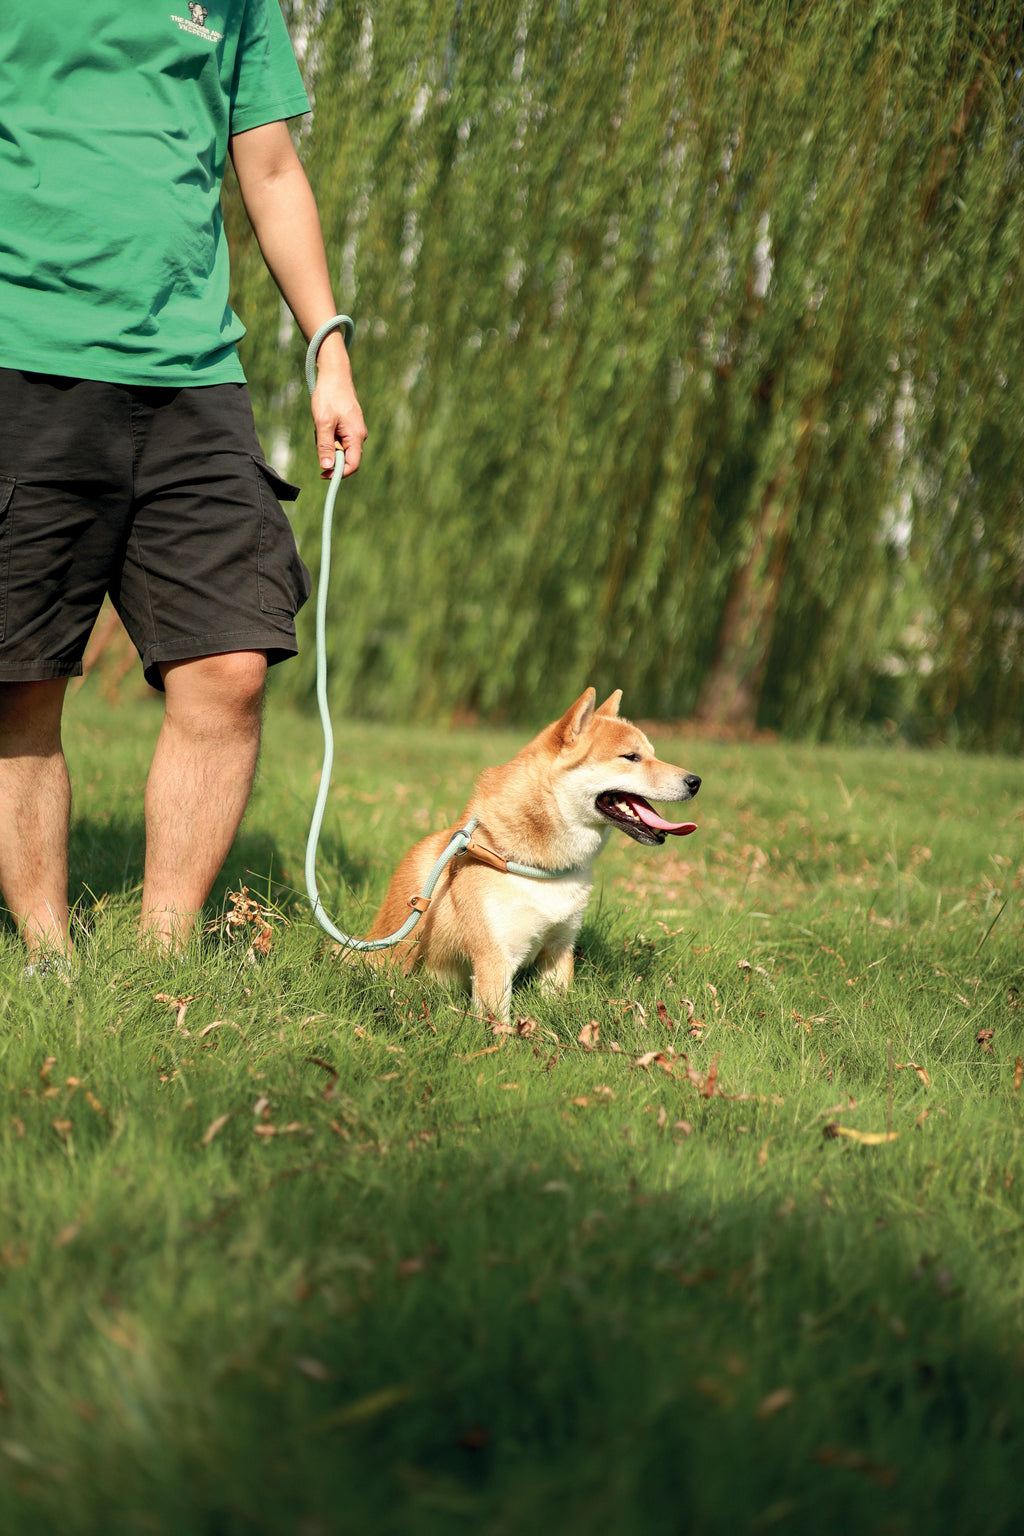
x,y
129,463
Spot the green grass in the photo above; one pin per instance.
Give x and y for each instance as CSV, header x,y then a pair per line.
x,y
504,1283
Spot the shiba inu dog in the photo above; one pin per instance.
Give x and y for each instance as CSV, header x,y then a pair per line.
x,y
549,813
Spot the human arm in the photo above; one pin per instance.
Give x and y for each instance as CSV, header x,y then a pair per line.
x,y
282,211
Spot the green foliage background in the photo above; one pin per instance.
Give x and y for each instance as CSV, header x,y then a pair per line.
x,y
657,307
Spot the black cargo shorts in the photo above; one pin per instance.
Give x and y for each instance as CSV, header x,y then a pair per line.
x,y
161,497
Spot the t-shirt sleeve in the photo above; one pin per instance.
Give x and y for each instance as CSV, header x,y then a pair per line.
x,y
267,84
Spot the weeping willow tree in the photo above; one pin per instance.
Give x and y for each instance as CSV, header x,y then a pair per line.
x,y
689,339
968,426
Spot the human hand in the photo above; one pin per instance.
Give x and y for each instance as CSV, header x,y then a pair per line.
x,y
337,414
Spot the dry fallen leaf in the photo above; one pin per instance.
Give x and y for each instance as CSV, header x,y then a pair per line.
x,y
774,1401
913,1067
657,1058
119,1331
1018,1074
855,1461
709,1083
864,1138
179,1003
213,1128
629,1007
17,1452
745,965
248,914
417,1263
985,1040
589,1035
314,1369
318,1061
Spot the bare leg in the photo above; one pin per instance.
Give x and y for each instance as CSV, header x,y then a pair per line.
x,y
198,785
35,808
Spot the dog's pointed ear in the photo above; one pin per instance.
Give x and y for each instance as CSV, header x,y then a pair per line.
x,y
610,707
575,720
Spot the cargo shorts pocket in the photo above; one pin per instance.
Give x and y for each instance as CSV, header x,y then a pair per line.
x,y
284,582
7,485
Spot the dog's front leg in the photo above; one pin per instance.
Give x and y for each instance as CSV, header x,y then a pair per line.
x,y
555,967
492,985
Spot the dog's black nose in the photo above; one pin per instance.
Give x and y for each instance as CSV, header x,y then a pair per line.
x,y
692,783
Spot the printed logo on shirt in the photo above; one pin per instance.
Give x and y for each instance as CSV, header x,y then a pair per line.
x,y
197,25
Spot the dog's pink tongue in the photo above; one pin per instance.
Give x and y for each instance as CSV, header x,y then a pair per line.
x,y
649,816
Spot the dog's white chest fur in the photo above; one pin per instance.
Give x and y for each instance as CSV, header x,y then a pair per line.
x,y
527,916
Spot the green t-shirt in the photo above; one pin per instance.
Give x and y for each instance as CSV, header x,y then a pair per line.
x,y
114,127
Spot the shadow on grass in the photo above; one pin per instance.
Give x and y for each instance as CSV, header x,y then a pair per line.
x,y
107,856
605,951
500,1340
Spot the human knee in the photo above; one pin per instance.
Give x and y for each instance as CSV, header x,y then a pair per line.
x,y
231,684
239,676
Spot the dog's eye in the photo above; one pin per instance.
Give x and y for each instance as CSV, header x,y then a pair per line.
x,y
630,757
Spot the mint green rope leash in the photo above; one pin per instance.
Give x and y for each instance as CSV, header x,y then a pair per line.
x,y
460,840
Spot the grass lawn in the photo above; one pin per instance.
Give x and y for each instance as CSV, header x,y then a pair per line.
x,y
287,1247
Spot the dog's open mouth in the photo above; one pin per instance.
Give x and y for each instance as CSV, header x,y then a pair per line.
x,y
633,814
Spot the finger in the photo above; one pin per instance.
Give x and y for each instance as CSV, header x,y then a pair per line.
x,y
325,442
353,450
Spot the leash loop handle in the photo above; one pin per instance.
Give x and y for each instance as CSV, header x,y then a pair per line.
x,y
336,323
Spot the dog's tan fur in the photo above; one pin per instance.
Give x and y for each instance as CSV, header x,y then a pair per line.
x,y
484,925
